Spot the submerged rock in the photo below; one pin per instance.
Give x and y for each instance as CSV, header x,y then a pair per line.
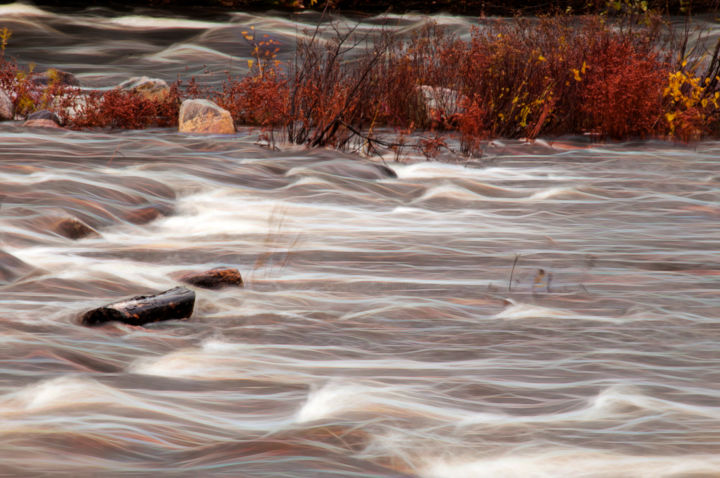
x,y
12,268
7,112
73,228
346,168
214,278
41,123
204,116
53,76
173,304
44,115
147,214
153,89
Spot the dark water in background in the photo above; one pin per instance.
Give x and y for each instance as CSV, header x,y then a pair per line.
x,y
376,334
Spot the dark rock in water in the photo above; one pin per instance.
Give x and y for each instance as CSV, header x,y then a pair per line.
x,y
53,76
73,228
172,304
44,115
7,112
40,123
386,170
12,268
348,168
146,214
214,278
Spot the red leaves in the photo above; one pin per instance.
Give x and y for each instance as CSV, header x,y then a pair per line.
x,y
512,78
622,90
256,100
119,109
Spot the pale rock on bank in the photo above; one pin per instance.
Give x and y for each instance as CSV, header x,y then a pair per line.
x,y
204,116
153,89
6,107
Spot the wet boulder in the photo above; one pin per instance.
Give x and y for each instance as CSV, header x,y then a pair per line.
x,y
153,89
145,215
73,228
53,76
7,111
346,168
173,304
40,123
42,119
214,278
44,115
204,116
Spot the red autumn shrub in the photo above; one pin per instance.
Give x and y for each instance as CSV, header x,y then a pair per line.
x,y
120,109
259,99
623,90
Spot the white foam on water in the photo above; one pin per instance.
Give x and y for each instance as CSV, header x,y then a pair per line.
x,y
190,52
145,22
432,170
68,391
573,462
22,10
530,311
340,399
66,264
619,402
558,192
451,191
224,211
334,399
622,399
191,363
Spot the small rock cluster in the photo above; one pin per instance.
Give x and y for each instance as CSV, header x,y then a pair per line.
x,y
196,115
173,304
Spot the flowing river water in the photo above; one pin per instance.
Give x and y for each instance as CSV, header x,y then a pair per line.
x,y
379,333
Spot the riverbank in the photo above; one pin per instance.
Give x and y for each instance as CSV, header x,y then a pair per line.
x,y
508,78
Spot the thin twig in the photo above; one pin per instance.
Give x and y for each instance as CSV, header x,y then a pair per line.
x,y
512,271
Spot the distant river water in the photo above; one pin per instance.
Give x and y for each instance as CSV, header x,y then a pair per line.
x,y
379,333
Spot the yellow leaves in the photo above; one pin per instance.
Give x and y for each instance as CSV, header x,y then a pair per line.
x,y
5,35
690,98
250,63
541,58
577,73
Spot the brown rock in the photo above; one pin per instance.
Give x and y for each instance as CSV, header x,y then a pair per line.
x,y
73,228
41,123
204,116
214,278
44,115
143,215
53,76
177,303
149,88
